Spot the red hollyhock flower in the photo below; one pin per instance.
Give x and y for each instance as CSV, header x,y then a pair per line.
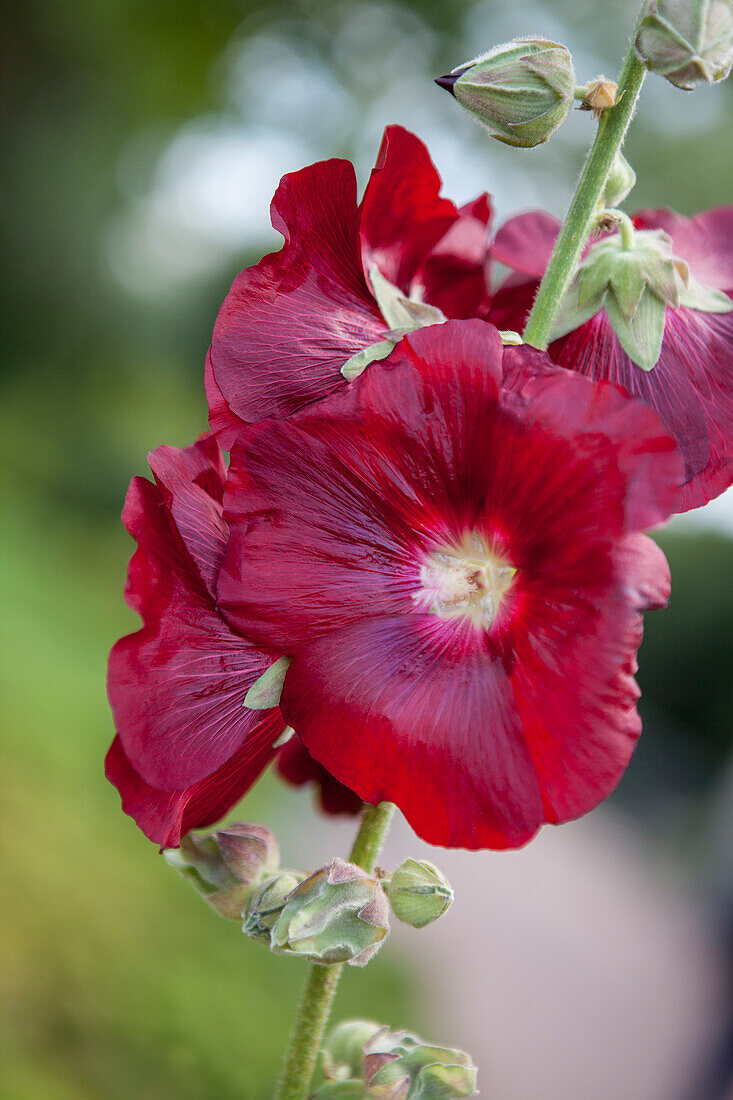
x,y
296,765
289,324
458,574
691,387
186,748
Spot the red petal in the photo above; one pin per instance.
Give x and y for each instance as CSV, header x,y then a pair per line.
x,y
177,686
402,214
455,275
525,242
691,387
325,504
297,766
222,420
288,325
396,711
166,816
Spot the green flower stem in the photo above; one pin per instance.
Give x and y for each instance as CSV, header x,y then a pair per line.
x,y
586,201
320,989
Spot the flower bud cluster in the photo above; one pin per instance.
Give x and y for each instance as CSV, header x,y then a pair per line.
x,y
226,866
362,1059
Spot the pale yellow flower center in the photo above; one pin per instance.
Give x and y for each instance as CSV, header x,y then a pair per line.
x,y
467,579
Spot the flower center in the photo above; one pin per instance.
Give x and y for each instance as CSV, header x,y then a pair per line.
x,y
467,580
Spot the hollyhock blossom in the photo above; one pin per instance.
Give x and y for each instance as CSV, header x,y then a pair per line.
x,y
457,571
296,765
691,386
349,279
186,748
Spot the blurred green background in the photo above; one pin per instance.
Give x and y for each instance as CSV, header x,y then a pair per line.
x,y
142,141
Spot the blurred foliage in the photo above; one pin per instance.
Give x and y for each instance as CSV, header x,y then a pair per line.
x,y
115,981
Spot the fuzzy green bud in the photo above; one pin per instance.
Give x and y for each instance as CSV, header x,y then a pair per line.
x,y
418,892
400,1066
621,180
342,1054
226,866
687,41
266,904
338,914
521,92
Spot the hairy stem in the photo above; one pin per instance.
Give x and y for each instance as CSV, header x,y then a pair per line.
x,y
320,989
586,200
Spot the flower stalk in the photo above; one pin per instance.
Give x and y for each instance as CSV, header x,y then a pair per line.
x,y
320,989
583,209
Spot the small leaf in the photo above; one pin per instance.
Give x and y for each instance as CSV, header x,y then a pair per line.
x,y
704,298
510,338
628,281
641,335
573,314
358,363
401,312
266,691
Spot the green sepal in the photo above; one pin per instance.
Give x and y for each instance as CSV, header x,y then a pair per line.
x,y
704,298
510,338
358,363
266,691
402,314
641,335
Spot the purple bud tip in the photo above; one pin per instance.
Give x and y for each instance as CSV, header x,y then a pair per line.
x,y
447,82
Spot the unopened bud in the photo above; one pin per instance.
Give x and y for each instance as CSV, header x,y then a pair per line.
x,y
521,92
687,41
400,1066
621,180
418,892
598,95
342,1055
227,865
338,914
266,904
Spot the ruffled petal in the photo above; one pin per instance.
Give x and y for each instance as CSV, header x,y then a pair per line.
x,y
525,242
402,214
177,686
166,816
455,275
222,421
415,712
691,387
289,324
326,506
296,765
574,684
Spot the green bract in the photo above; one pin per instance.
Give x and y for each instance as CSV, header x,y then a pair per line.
x,y
521,92
266,904
401,313
621,180
635,282
225,867
338,914
687,41
418,892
